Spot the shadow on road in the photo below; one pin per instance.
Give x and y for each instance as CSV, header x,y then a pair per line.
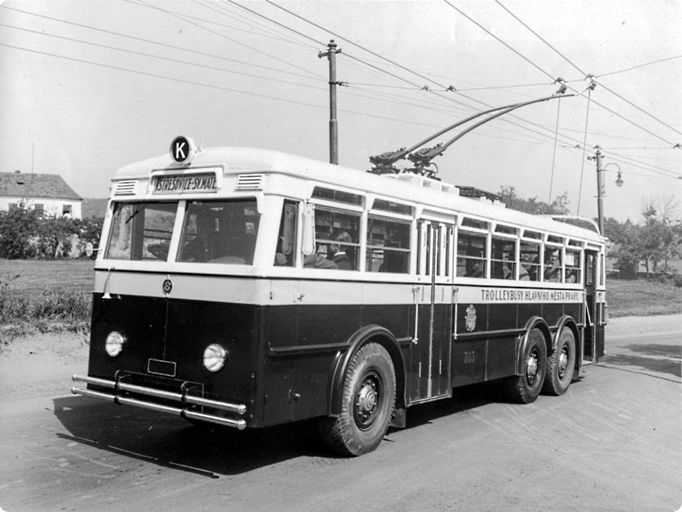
x,y
215,451
650,357
172,442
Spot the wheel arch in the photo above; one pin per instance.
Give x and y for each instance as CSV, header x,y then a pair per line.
x,y
533,323
368,334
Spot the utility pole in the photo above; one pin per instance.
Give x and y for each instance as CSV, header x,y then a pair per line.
x,y
333,125
600,188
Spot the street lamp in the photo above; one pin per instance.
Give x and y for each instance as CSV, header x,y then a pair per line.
x,y
619,179
600,185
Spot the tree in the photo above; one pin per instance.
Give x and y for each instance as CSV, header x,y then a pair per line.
x,y
17,228
660,236
625,240
533,205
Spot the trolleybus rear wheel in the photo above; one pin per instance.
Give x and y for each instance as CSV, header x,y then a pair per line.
x,y
367,404
560,364
526,387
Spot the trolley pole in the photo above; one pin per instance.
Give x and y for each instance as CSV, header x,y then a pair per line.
x,y
600,189
333,124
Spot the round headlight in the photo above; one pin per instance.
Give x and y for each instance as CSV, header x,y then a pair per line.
x,y
214,357
114,343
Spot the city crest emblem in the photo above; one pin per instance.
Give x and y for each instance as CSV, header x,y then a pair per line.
x,y
470,318
167,286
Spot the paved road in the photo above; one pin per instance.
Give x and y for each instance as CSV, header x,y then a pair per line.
x,y
612,443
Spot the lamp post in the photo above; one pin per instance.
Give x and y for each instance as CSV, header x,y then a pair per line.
x,y
601,192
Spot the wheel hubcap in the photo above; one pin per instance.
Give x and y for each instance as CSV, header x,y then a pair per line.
x,y
563,362
367,402
532,367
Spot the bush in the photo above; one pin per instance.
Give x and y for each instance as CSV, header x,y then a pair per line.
x,y
677,279
16,229
24,234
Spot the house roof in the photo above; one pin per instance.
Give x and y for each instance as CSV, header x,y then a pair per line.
x,y
49,186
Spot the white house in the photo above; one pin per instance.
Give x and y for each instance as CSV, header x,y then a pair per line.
x,y
48,194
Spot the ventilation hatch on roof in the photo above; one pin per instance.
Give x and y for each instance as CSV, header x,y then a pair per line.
x,y
250,182
126,188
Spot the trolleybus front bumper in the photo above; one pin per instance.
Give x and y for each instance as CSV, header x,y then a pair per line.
x,y
189,403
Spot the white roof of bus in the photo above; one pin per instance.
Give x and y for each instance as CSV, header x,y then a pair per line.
x,y
238,160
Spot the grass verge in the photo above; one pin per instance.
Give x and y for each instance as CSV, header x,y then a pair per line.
x,y
643,298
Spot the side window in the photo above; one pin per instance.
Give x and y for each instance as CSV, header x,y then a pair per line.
x,y
573,270
503,262
388,246
553,264
336,240
530,262
286,241
471,255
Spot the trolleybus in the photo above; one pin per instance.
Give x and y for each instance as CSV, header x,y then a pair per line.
x,y
251,288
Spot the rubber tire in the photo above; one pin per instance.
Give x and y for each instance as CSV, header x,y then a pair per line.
x,y
554,383
343,434
520,388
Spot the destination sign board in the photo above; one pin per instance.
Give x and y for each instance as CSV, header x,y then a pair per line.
x,y
175,184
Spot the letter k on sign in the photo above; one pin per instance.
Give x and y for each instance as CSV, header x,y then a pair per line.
x,y
181,149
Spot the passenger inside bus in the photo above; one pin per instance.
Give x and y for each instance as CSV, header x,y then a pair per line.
x,y
526,271
477,269
553,266
339,251
319,259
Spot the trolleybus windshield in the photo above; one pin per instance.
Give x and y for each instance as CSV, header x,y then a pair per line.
x,y
212,231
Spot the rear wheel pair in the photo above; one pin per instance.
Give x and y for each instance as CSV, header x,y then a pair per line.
x,y
551,375
367,402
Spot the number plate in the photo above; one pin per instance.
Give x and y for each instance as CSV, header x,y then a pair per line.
x,y
160,367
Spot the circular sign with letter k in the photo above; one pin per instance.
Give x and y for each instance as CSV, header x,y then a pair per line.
x,y
181,149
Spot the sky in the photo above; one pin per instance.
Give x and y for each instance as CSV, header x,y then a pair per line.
x,y
90,86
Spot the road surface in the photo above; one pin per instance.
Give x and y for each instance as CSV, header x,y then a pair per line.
x,y
612,443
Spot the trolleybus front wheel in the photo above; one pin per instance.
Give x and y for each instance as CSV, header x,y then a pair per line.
x,y
560,364
367,404
526,387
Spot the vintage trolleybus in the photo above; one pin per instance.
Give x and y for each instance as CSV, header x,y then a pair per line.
x,y
251,288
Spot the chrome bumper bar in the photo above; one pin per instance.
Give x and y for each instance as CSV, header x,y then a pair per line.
x,y
183,398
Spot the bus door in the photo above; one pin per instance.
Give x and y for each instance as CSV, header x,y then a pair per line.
x,y
593,339
430,350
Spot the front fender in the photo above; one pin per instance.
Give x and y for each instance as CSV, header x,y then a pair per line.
x,y
377,334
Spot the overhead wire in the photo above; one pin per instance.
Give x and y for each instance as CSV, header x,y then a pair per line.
x,y
195,83
541,38
144,54
159,57
639,108
158,43
411,71
602,75
589,88
271,34
500,40
267,30
219,34
583,159
211,86
556,137
581,71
